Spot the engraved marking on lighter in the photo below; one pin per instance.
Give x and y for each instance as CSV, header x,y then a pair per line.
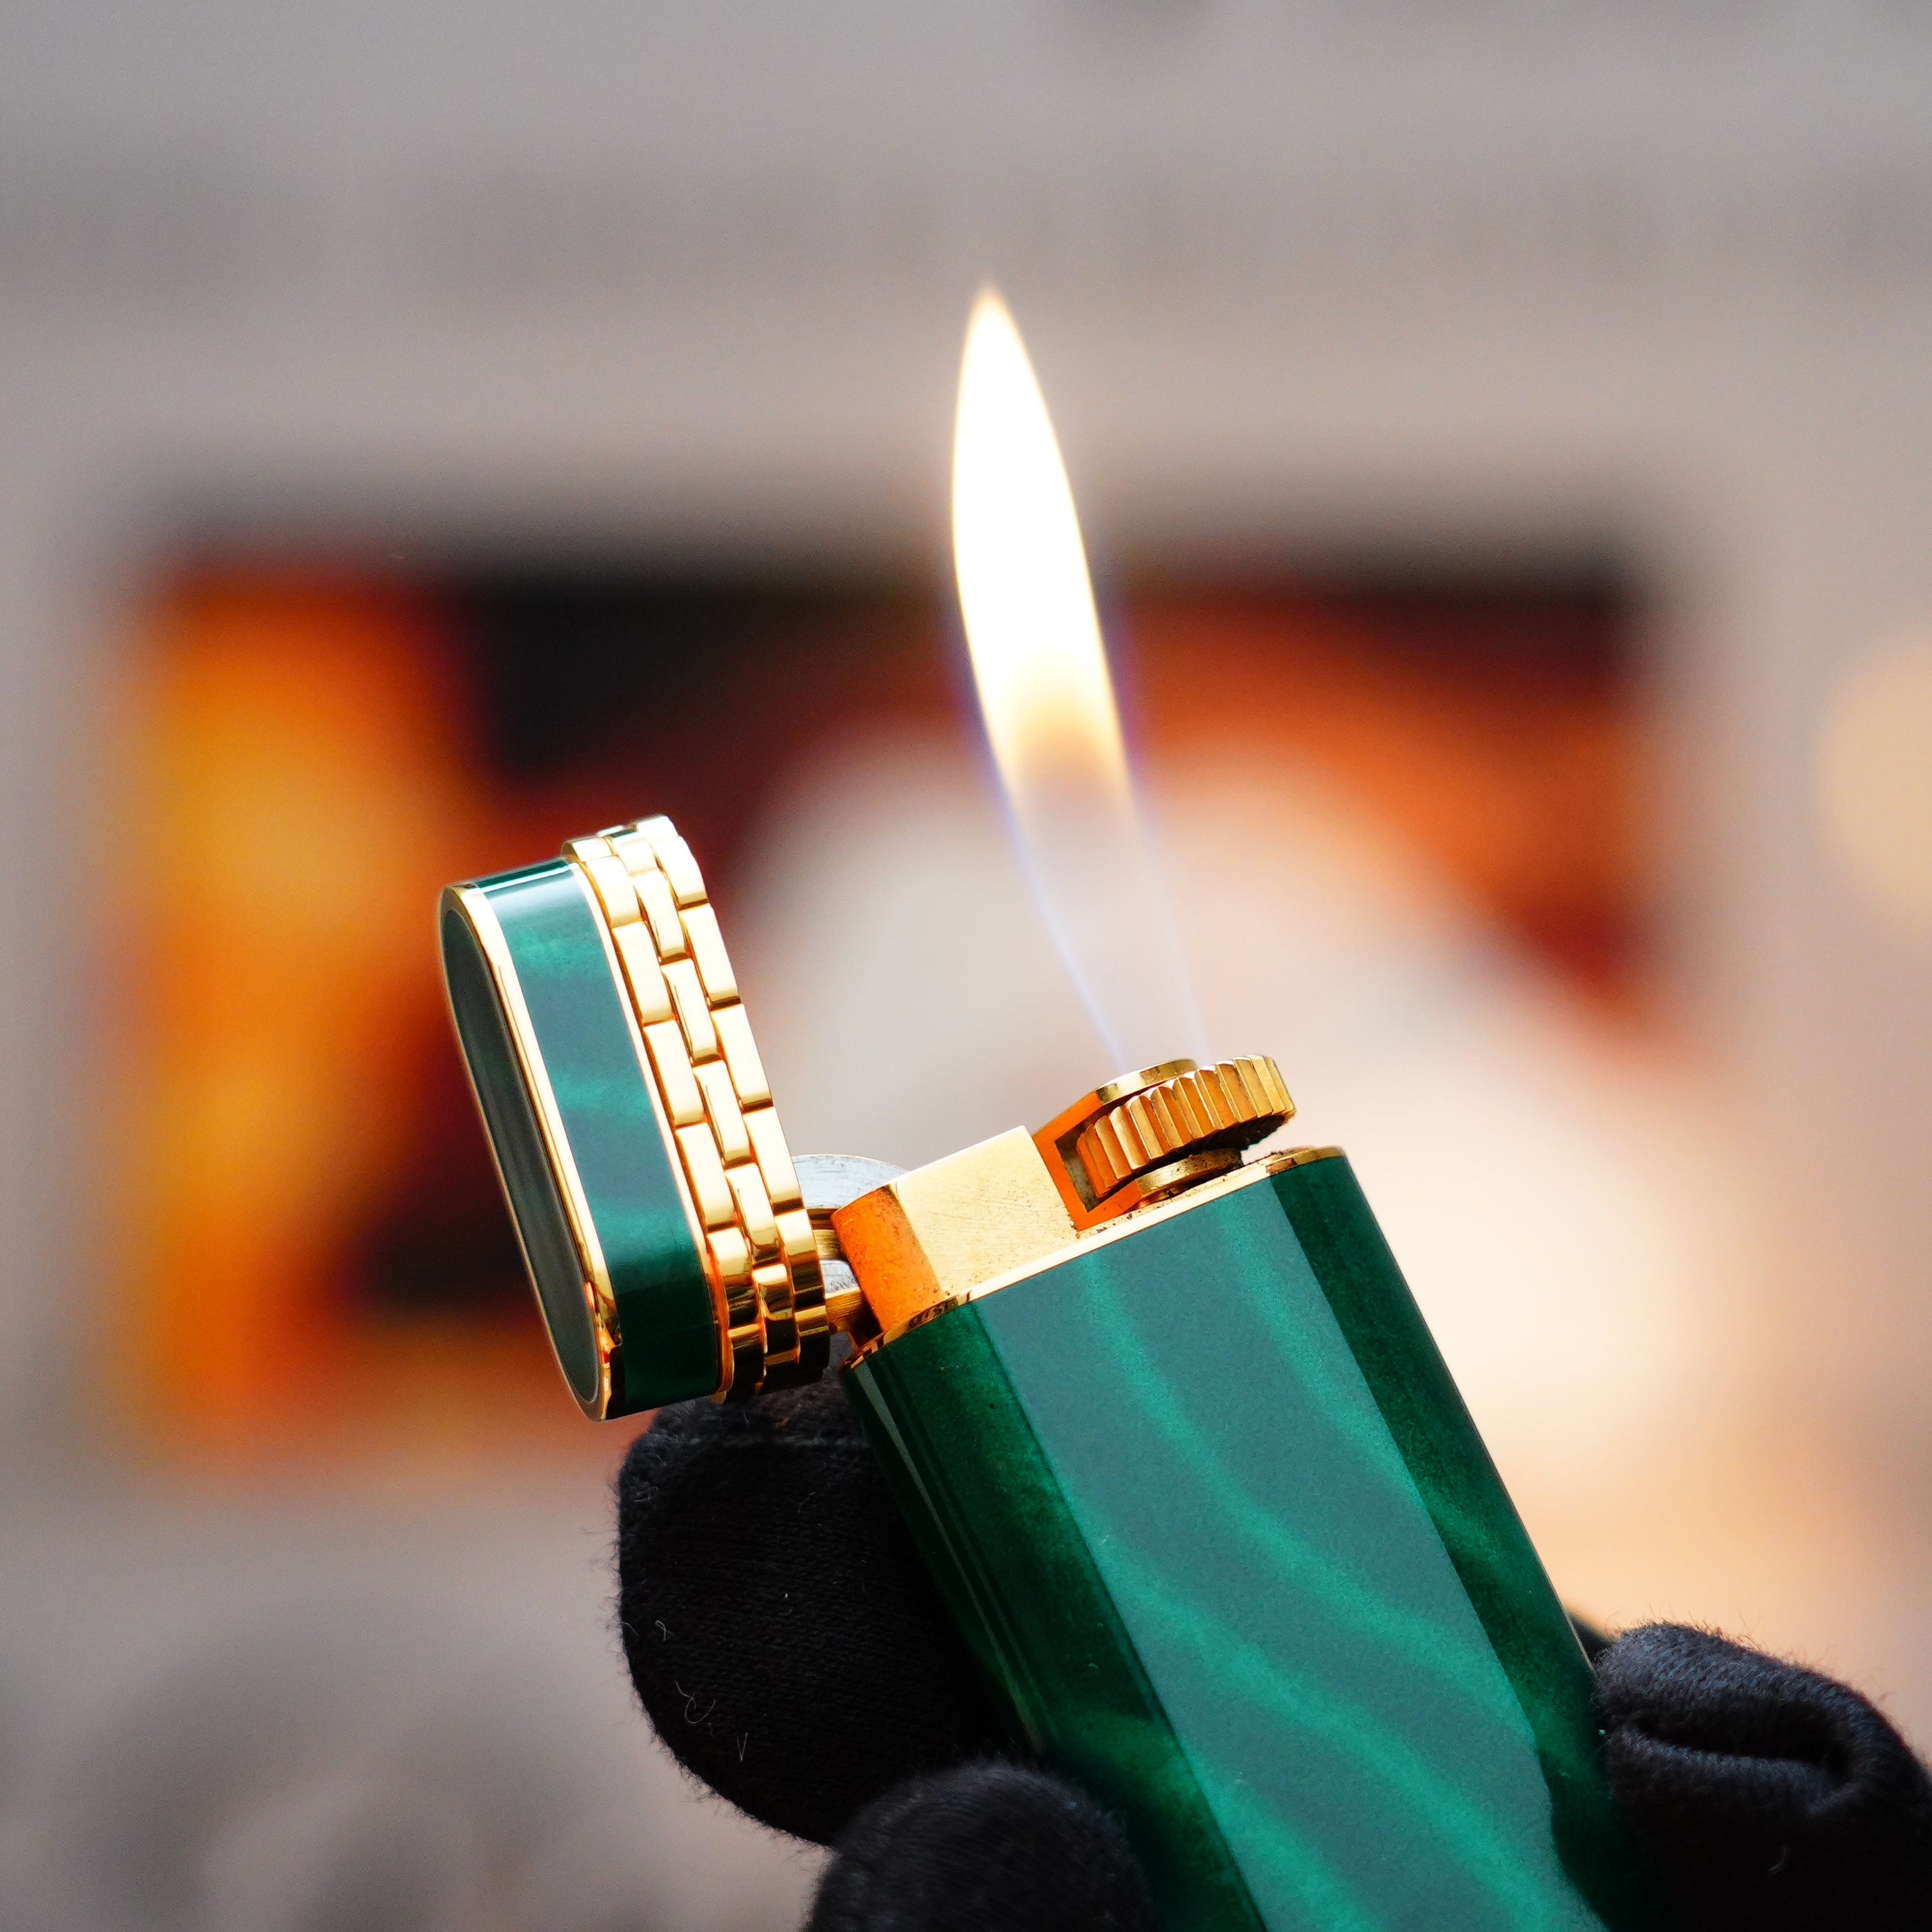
x,y
1158,1406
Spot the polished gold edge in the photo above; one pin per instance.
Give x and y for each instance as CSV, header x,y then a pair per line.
x,y
1124,1084
483,922
1110,1231
1229,1104
1099,1151
1055,1140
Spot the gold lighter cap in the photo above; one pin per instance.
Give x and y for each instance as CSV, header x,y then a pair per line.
x,y
943,1233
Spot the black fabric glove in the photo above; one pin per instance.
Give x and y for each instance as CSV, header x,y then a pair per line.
x,y
1769,1797
786,1642
780,1627
988,1847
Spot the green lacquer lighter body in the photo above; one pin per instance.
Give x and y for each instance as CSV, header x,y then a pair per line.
x,y
1207,1503
1161,1413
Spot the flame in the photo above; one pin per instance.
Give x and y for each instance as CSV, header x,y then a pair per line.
x,y
1024,593
1040,668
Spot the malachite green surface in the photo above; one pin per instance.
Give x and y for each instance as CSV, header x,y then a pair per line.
x,y
535,1205
1207,1504
624,1163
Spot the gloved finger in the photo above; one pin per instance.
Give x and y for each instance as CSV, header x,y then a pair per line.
x,y
781,1631
984,1847
1769,1797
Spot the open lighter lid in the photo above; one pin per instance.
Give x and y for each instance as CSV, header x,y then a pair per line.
x,y
653,1193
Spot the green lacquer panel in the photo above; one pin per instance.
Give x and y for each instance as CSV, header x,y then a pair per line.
x,y
985,1503
624,1163
1481,1531
536,1206
1353,1679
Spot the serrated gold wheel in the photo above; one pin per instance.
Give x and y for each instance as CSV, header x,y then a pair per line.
x,y
1228,1105
760,1250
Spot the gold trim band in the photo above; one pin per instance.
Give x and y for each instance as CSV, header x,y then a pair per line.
x,y
758,1244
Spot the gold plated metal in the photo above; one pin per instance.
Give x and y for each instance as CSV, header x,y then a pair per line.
x,y
754,1209
1156,1183
677,1084
720,1104
1055,1140
741,1056
1102,1151
704,1167
649,996
707,950
845,1309
678,867
613,883
694,1010
997,1212
654,894
910,1308
740,1186
773,1157
1208,1106
933,1233
947,1231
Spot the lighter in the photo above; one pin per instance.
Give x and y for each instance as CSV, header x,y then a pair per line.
x,y
1158,1407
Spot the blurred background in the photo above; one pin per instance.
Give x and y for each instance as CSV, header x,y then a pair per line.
x,y
1503,432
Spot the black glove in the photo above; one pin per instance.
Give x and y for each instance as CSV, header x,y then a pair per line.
x,y
785,1641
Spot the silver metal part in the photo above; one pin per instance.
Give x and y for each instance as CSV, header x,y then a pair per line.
x,y
828,1181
